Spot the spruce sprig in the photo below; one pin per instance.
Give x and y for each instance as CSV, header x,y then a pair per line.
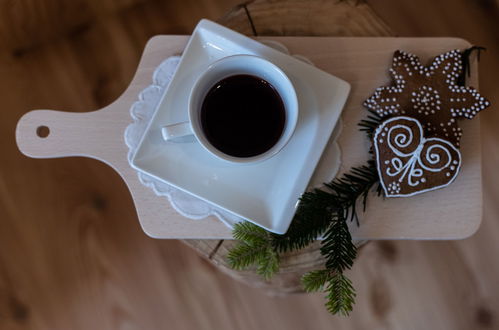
x,y
337,246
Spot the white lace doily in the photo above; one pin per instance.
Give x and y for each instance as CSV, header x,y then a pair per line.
x,y
184,203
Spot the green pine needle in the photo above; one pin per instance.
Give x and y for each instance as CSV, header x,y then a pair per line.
x,y
250,233
244,255
310,221
370,124
316,280
254,248
465,56
268,265
340,295
337,246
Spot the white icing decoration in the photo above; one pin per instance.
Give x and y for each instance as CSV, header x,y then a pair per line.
x,y
413,168
425,98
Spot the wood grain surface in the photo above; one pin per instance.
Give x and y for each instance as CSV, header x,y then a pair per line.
x,y
72,255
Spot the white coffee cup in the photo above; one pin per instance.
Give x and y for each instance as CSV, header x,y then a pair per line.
x,y
223,68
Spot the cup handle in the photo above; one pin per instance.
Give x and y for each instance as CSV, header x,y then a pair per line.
x,y
176,132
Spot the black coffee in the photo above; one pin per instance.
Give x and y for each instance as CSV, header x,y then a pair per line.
x,y
243,116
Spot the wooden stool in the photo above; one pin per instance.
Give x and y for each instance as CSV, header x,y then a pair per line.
x,y
291,18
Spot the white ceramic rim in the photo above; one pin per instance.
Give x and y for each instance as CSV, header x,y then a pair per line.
x,y
254,65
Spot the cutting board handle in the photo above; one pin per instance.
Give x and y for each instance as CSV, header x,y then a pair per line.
x,y
53,134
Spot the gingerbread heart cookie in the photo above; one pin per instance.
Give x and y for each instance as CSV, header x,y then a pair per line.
x,y
408,163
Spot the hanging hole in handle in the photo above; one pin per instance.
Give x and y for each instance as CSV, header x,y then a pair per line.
x,y
42,131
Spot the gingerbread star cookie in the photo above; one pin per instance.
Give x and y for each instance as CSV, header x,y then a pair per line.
x,y
429,94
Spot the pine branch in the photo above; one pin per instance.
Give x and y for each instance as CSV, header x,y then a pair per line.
x,y
340,252
337,246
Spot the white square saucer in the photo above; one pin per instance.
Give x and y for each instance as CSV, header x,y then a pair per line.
x,y
265,193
